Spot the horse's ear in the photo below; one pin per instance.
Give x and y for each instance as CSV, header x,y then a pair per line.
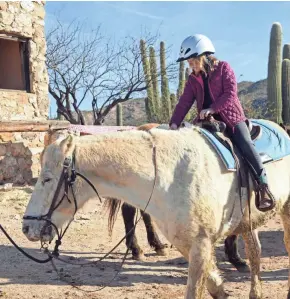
x,y
67,145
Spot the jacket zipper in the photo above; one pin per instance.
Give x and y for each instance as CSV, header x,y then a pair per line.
x,y
201,88
213,99
223,115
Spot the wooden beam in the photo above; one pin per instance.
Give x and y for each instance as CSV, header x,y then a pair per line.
x,y
12,38
32,126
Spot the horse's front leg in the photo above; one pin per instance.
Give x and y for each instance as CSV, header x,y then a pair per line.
x,y
253,252
128,213
200,258
152,236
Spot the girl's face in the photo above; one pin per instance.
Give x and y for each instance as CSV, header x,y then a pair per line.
x,y
195,64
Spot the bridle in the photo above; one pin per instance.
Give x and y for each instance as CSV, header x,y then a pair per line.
x,y
67,179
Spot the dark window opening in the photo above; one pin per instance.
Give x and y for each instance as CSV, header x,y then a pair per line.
x,y
14,63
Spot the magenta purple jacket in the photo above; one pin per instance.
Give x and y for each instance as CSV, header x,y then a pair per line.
x,y
223,90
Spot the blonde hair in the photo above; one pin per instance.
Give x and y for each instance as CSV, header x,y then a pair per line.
x,y
207,63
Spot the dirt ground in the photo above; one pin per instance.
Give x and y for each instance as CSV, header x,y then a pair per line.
x,y
155,278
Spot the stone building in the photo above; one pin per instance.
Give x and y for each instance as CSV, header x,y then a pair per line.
x,y
23,75
23,90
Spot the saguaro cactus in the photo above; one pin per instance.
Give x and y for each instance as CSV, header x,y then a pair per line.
x,y
286,51
181,82
275,73
119,114
165,95
286,91
154,77
172,101
146,69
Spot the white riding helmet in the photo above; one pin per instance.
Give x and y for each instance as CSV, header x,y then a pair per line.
x,y
195,45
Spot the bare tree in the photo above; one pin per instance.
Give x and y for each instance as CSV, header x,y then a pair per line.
x,y
86,67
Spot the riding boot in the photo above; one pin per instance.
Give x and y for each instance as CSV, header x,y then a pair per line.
x,y
267,200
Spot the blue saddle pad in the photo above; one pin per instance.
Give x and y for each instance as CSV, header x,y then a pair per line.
x,y
273,145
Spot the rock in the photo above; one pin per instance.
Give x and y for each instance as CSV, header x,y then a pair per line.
x,y
6,187
3,5
83,217
19,180
12,9
27,5
27,175
2,149
23,20
6,18
39,12
5,137
17,149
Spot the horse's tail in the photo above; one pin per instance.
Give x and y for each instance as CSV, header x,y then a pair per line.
x,y
113,206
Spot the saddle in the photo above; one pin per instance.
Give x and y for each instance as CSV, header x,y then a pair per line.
x,y
215,126
244,169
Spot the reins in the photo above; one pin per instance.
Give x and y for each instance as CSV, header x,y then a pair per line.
x,y
68,181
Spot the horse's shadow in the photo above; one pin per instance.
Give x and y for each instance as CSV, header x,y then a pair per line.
x,y
272,246
17,269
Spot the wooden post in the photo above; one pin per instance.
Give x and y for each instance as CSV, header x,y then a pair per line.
x,y
32,126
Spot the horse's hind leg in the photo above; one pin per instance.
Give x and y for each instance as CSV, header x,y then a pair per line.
x,y
253,251
285,215
232,253
128,213
152,236
200,263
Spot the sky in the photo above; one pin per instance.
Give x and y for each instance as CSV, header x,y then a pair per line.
x,y
240,31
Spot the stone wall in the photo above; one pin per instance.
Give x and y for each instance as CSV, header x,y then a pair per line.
x,y
19,156
21,144
25,19
18,105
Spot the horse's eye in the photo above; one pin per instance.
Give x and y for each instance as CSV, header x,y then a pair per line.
x,y
45,180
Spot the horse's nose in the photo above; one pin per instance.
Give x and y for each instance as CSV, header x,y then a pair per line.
x,y
46,230
25,229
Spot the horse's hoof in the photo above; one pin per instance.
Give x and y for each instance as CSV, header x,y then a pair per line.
x,y
243,268
254,296
241,265
162,251
223,296
139,257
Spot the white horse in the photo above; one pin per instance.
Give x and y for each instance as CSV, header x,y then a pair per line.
x,y
195,201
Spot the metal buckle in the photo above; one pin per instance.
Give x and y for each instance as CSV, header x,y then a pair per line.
x,y
67,162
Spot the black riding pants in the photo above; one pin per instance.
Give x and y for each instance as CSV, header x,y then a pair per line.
x,y
242,139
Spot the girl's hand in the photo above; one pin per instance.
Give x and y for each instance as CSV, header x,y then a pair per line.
x,y
205,113
173,127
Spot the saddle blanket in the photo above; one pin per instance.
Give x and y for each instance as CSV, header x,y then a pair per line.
x,y
272,145
94,130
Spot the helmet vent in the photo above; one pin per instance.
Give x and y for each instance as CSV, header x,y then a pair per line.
x,y
188,49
